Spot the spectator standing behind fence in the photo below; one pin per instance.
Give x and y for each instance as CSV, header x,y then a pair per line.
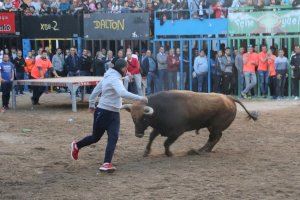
x,y
161,58
29,63
151,73
239,66
227,71
134,74
109,59
250,62
295,66
281,67
173,66
72,63
42,65
6,79
216,72
201,70
263,71
99,64
58,62
19,63
272,73
120,55
85,64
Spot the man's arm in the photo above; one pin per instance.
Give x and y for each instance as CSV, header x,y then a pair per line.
x,y
96,92
122,92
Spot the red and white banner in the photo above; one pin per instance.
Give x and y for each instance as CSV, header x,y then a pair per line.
x,y
7,23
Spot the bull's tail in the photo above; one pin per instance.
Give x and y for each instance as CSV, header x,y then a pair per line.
x,y
251,115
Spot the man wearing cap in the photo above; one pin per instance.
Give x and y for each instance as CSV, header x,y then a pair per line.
x,y
106,115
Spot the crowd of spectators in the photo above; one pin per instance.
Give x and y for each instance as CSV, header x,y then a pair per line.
x,y
227,69
177,9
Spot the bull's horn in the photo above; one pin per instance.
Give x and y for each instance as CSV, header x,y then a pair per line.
x,y
148,110
127,107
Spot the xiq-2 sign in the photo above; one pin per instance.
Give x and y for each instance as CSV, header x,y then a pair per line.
x,y
107,26
64,26
52,25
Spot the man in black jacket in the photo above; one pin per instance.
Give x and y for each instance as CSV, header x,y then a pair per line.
x,y
85,64
19,63
295,65
149,68
72,63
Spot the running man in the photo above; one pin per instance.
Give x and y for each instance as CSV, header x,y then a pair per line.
x,y
106,115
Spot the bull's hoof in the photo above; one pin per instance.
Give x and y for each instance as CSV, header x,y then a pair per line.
x,y
193,152
204,150
169,153
146,153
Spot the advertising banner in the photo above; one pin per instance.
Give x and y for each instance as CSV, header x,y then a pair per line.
x,y
285,21
108,26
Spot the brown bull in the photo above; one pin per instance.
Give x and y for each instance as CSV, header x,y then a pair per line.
x,y
172,113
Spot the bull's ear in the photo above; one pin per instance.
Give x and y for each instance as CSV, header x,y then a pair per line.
x,y
127,107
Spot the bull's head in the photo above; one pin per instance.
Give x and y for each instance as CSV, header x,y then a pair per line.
x,y
140,115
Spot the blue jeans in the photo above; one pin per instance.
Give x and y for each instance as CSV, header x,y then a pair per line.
x,y
250,81
263,81
280,85
152,78
163,76
104,120
202,79
172,80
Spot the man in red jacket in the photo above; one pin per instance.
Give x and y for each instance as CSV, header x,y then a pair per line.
x,y
133,74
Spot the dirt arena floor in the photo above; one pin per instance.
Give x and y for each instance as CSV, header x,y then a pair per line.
x,y
253,160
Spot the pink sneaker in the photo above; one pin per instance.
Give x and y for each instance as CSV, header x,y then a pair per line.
x,y
107,167
74,150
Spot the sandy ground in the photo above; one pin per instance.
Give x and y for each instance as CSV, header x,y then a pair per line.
x,y
253,160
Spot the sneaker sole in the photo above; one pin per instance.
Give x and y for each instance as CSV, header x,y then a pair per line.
x,y
107,170
72,151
